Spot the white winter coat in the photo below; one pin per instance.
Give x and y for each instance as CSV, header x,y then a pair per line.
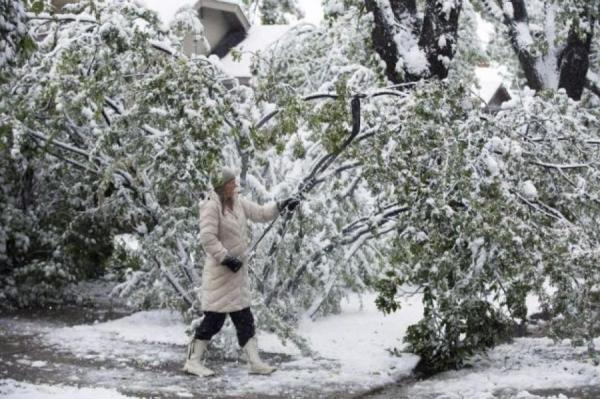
x,y
227,234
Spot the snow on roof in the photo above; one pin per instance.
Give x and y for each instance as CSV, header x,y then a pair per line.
x,y
259,38
490,80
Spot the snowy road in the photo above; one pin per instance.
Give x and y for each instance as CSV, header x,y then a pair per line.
x,y
92,354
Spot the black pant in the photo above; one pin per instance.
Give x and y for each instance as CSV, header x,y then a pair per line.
x,y
213,322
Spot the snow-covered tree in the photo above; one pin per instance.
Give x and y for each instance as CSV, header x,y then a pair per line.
x,y
552,40
135,129
415,45
494,215
479,222
107,131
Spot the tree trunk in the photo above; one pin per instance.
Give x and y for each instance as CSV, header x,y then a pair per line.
x,y
383,39
518,41
436,35
574,62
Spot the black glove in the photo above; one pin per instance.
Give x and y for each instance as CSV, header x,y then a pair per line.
x,y
289,203
232,263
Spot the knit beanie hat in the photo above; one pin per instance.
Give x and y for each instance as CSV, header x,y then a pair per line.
x,y
220,178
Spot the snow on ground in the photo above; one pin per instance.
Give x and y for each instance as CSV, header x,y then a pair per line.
x,y
360,338
119,339
353,347
11,389
140,355
527,364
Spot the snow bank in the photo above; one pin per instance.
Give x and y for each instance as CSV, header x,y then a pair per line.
x,y
354,355
360,337
11,389
527,364
159,326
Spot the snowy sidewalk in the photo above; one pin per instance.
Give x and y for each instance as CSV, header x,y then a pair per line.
x,y
141,355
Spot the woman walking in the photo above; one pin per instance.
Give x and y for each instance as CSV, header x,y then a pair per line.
x,y
225,283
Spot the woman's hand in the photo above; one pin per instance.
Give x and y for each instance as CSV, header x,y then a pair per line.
x,y
289,203
233,263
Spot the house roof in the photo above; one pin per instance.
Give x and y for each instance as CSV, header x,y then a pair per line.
x,y
489,82
491,87
259,38
167,9
231,6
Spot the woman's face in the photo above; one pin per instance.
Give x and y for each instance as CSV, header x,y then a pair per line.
x,y
229,189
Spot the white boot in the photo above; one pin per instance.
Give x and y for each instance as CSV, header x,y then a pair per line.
x,y
193,363
257,366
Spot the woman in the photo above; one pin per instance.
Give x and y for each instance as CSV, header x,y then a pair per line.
x,y
225,284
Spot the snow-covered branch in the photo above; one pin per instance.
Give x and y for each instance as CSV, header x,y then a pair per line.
x,y
361,231
542,209
62,17
562,166
164,47
517,21
61,144
173,281
76,164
